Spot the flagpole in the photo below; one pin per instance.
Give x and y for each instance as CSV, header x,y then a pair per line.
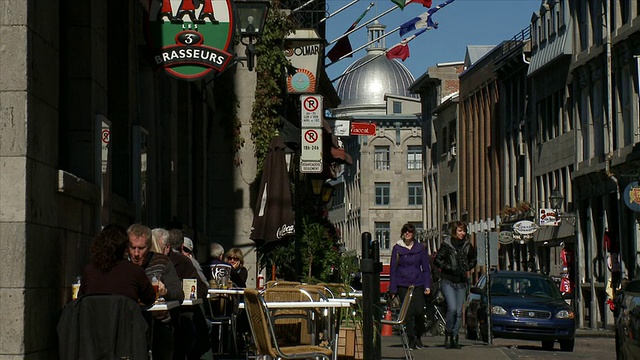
x,y
363,46
363,25
302,6
336,12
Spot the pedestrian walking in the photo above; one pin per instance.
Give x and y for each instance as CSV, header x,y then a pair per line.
x,y
455,257
410,266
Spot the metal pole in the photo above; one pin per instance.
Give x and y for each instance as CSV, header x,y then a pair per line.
x,y
370,268
487,258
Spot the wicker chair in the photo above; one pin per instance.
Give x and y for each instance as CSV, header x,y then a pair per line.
x,y
400,322
264,334
292,326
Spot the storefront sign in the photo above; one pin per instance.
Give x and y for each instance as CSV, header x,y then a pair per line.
x,y
305,49
632,196
548,217
190,39
525,227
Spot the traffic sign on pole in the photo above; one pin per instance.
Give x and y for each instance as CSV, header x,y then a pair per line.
x,y
311,116
311,155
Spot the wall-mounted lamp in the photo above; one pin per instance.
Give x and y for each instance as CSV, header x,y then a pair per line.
x,y
556,199
316,186
326,193
251,16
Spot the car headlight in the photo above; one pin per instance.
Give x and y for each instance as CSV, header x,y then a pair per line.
x,y
565,314
498,310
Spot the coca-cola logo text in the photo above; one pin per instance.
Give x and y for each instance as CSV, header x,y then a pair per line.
x,y
285,230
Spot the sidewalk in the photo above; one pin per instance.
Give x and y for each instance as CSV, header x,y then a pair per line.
x,y
434,347
471,349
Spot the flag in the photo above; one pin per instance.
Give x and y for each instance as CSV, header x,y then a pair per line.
x,y
343,46
423,20
401,50
402,3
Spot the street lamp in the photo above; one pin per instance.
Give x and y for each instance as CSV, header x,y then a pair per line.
x,y
316,186
556,199
326,193
251,16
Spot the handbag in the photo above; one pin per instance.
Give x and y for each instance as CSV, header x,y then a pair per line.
x,y
395,302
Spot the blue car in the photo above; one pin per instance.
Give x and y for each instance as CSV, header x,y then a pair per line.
x,y
525,306
627,313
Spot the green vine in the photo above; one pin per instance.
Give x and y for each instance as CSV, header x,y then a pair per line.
x,y
228,110
270,70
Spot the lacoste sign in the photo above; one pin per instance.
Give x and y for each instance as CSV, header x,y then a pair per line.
x,y
190,38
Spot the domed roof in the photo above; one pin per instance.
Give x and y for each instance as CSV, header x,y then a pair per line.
x,y
367,84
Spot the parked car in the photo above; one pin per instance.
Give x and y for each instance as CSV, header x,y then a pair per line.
x,y
627,310
524,305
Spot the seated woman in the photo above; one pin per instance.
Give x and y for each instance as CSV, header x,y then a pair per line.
x,y
110,273
239,273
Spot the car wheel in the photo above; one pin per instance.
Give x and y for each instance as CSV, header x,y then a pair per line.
x,y
567,345
548,344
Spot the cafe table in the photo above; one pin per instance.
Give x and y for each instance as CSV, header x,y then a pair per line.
x,y
330,312
191,302
163,306
233,294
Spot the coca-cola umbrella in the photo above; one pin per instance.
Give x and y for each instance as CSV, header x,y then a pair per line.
x,y
273,217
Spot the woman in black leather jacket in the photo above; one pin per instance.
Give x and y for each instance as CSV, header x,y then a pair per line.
x,y
455,257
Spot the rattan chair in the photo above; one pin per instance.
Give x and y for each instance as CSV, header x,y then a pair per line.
x,y
400,322
292,326
264,335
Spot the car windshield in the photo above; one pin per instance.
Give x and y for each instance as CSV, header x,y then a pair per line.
x,y
522,285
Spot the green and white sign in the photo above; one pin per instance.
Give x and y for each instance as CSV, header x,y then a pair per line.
x,y
191,38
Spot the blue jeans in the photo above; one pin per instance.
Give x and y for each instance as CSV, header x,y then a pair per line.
x,y
454,294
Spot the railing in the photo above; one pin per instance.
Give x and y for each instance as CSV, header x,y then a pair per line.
x,y
516,41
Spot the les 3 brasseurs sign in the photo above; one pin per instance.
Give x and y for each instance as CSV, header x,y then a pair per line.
x,y
191,38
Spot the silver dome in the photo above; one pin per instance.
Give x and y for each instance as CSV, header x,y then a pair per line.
x,y
368,84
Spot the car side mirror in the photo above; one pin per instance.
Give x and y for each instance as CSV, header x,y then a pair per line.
x,y
476,290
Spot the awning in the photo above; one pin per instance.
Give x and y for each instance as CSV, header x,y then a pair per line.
x,y
341,156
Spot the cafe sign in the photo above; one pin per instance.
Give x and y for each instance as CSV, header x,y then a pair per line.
x,y
190,38
525,227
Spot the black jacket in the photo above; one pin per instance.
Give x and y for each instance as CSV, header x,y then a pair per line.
x,y
102,327
454,262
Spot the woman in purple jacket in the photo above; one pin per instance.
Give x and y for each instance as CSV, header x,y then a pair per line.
x,y
410,266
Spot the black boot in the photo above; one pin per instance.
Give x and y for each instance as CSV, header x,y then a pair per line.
x,y
447,336
454,342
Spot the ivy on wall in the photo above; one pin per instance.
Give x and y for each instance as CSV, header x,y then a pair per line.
x,y
270,86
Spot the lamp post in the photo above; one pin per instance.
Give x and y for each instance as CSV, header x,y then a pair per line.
x,y
250,18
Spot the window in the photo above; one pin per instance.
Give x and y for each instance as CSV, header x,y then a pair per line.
x,y
397,107
414,157
381,158
383,191
382,234
415,193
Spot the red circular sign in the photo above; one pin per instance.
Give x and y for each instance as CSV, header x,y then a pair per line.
x,y
311,136
106,134
311,103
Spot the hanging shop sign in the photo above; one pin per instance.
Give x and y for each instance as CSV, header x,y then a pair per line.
x,y
525,227
305,49
505,237
632,196
548,217
189,39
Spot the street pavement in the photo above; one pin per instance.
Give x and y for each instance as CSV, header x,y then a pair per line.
x,y
590,344
504,349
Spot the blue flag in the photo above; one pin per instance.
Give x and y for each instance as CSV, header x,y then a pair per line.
x,y
423,21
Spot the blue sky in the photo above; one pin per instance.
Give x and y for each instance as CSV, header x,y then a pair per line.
x,y
461,23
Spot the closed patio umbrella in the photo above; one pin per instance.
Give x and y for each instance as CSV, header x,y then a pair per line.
x,y
273,216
